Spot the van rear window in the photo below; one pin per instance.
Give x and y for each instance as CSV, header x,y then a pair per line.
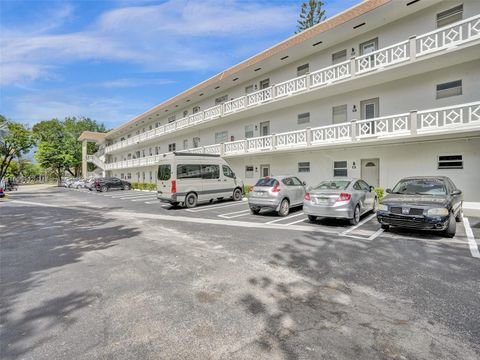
x,y
164,172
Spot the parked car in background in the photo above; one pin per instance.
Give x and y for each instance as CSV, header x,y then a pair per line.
x,y
78,184
185,178
426,203
107,184
279,193
90,183
2,188
345,198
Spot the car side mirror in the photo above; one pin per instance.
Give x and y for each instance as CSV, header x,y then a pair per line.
x,y
304,183
388,191
456,192
372,188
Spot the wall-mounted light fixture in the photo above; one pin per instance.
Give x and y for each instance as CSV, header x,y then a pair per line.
x,y
354,109
353,52
256,127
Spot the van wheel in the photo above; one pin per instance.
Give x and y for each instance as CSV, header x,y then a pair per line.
x,y
237,194
451,228
284,208
191,200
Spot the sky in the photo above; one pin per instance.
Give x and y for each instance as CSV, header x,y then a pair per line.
x,y
112,60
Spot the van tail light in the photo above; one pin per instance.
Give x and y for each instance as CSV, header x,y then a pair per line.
x,y
276,188
307,196
344,197
174,187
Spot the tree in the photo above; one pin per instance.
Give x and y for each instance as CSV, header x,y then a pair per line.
x,y
15,140
311,13
58,145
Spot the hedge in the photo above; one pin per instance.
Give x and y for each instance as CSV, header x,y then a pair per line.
x,y
144,186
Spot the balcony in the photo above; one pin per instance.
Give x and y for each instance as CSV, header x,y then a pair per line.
x,y
417,47
412,125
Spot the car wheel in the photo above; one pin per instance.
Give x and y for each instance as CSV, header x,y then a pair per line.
x,y
459,216
237,194
191,200
254,210
126,187
451,228
284,208
312,218
104,188
385,227
356,216
374,208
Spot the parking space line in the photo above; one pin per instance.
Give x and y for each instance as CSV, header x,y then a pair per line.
x,y
235,214
472,244
145,198
295,222
376,234
152,202
135,197
215,206
285,218
358,225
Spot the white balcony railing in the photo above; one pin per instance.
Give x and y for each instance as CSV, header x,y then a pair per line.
x,y
417,46
423,123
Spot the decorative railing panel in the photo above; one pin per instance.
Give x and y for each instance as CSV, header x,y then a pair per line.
x,y
291,86
383,57
331,133
235,147
213,112
291,139
260,96
330,74
382,126
234,105
448,117
259,143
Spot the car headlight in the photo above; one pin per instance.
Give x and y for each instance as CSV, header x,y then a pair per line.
x,y
382,207
438,211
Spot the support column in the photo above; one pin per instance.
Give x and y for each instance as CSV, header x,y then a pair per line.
x,y
84,159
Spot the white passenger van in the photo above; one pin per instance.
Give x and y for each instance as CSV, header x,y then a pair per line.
x,y
185,178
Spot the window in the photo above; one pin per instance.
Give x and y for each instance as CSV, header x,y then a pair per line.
x,y
304,167
339,114
364,186
189,171
249,89
171,147
450,16
452,88
196,142
150,152
369,46
264,83
339,56
210,171
249,171
143,175
303,69
185,144
221,99
151,176
143,153
296,181
171,118
221,137
248,131
303,118
164,172
185,113
340,168
450,162
122,176
228,172
196,109
129,176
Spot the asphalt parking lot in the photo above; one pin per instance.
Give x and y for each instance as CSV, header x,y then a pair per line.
x,y
119,275
367,229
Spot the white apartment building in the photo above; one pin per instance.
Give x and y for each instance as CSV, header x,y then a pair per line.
x,y
383,90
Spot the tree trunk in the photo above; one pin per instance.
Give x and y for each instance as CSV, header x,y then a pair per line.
x,y
5,164
59,181
71,173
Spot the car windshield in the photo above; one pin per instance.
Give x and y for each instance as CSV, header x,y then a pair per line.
x,y
332,185
420,187
267,182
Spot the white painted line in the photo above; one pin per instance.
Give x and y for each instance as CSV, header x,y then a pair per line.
x,y
215,206
358,225
376,234
286,218
145,198
135,197
295,222
152,202
472,244
235,214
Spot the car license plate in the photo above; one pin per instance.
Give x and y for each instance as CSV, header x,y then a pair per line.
x,y
259,193
321,201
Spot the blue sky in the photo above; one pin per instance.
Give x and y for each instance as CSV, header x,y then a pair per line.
x,y
114,59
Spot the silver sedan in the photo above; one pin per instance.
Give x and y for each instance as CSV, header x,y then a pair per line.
x,y
279,193
345,198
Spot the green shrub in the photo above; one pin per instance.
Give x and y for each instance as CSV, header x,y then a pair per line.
x,y
152,187
380,193
247,189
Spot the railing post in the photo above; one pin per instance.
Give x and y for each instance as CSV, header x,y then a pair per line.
x,y
353,129
307,80
412,47
222,149
274,141
309,136
245,146
413,122
353,67
203,149
274,89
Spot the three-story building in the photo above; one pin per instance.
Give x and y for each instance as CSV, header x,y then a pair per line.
x,y
383,90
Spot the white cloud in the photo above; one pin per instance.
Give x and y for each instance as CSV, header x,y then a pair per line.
x,y
172,36
127,83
